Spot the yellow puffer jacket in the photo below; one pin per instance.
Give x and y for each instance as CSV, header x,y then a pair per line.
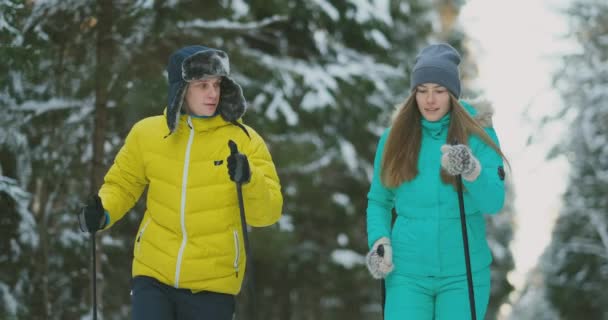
x,y
191,235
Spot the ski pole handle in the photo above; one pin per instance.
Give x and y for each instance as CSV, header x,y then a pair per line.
x,y
233,148
238,158
380,250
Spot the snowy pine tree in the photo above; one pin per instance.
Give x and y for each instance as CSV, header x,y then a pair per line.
x,y
575,264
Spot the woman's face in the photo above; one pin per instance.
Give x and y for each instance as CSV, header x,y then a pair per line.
x,y
433,101
203,96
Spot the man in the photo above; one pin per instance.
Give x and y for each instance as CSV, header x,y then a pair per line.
x,y
189,259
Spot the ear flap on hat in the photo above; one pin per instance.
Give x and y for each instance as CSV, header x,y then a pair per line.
x,y
174,109
232,103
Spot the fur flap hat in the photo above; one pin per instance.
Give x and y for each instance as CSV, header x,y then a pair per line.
x,y
196,63
437,63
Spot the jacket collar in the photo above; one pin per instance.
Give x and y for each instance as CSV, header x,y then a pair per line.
x,y
185,122
436,129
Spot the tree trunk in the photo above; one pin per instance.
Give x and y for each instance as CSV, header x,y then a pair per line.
x,y
284,298
41,273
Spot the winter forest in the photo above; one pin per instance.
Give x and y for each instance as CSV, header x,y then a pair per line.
x,y
321,78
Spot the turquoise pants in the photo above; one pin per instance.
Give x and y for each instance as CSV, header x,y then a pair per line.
x,y
435,298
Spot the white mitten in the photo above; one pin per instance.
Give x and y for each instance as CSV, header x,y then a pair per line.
x,y
458,159
379,260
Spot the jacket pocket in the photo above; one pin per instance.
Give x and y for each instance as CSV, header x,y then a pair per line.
x,y
237,252
140,235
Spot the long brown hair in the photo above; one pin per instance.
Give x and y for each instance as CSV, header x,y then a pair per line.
x,y
402,148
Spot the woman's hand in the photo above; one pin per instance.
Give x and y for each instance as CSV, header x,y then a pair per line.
x,y
458,159
379,260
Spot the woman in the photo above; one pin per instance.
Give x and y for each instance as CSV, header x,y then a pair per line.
x,y
433,137
189,253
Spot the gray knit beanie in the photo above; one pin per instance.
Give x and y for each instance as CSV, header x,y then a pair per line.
x,y
437,63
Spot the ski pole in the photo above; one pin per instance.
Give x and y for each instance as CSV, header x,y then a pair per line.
x,y
380,252
465,240
93,258
383,288
249,276
94,294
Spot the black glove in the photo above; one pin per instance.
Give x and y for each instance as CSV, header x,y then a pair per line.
x,y
238,165
93,215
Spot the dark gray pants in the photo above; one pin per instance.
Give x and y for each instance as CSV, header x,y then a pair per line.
x,y
152,300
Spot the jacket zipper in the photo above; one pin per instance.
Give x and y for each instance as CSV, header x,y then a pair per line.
x,y
183,204
140,235
237,253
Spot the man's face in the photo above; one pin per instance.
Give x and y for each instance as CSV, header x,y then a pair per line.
x,y
203,96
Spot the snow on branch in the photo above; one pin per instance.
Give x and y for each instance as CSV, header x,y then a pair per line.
x,y
10,301
328,9
322,78
347,258
585,246
231,25
27,224
298,138
599,223
40,107
12,189
280,103
372,10
312,166
5,25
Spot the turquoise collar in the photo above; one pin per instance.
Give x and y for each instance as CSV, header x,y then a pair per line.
x,y
437,128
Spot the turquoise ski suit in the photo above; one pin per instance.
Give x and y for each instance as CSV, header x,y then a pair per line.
x,y
429,276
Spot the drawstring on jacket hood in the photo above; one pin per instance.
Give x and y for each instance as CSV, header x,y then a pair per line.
x,y
196,63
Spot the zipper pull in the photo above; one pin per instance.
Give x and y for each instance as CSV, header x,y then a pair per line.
x,y
189,122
